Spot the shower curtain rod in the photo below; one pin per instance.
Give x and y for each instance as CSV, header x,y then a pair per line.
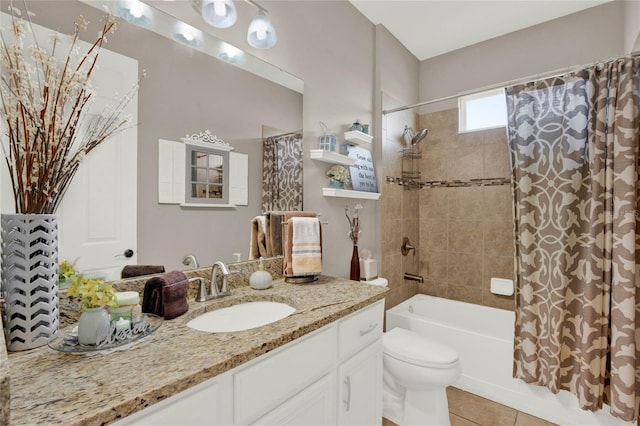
x,y
297,132
559,71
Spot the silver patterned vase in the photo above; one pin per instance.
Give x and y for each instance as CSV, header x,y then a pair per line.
x,y
29,279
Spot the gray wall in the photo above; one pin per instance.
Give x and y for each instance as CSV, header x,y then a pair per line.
x,y
329,45
593,34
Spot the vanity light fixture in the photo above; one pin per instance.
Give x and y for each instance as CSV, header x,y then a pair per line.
x,y
261,34
223,14
135,12
187,34
230,53
218,13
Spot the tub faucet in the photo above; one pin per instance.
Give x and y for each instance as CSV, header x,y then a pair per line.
x,y
218,283
413,277
407,247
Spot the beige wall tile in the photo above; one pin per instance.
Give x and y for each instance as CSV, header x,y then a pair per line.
x,y
464,269
433,234
392,202
410,203
465,162
496,135
465,203
465,294
496,160
496,267
465,236
470,139
497,203
433,288
433,203
464,233
498,238
433,165
433,266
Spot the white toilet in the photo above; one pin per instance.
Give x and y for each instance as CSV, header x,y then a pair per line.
x,y
416,372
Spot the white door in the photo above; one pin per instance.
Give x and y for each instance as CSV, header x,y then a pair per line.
x,y
97,216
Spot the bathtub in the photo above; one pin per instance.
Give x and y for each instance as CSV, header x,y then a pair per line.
x,y
483,338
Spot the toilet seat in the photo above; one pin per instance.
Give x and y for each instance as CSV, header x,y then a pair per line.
x,y
412,348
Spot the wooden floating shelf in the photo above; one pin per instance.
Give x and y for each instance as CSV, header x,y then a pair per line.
x,y
348,193
358,138
332,157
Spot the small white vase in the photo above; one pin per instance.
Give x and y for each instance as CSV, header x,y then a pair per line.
x,y
91,322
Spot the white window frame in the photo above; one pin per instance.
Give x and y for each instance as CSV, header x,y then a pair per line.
x,y
463,113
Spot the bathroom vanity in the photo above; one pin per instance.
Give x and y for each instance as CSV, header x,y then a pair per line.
x,y
322,365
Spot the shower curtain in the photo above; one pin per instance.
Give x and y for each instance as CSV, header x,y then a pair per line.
x,y
282,173
573,144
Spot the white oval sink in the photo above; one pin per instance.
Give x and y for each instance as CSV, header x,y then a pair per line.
x,y
242,316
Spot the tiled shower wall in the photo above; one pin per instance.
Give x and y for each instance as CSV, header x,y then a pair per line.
x,y
399,210
466,233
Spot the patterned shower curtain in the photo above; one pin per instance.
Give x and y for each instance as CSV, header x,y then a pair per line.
x,y
282,173
574,154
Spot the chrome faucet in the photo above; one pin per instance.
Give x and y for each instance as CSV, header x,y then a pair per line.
x,y
190,259
218,284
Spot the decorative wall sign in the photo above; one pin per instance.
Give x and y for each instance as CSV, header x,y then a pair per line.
x,y
363,175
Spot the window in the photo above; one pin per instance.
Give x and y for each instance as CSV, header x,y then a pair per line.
x,y
481,111
208,175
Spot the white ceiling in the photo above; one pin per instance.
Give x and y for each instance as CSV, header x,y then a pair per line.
x,y
429,28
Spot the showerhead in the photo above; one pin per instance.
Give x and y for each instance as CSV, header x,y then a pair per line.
x,y
420,134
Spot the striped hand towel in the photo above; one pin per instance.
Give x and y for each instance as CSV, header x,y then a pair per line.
x,y
306,247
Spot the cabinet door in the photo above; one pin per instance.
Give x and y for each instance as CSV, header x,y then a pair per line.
x,y
208,403
360,388
313,406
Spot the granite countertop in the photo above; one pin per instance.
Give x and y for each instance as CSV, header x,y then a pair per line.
x,y
49,387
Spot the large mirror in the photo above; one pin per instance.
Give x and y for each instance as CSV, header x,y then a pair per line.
x,y
186,91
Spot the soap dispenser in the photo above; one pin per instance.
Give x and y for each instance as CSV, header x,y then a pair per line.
x,y
260,279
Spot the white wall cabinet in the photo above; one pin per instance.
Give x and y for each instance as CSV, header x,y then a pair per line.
x,y
331,376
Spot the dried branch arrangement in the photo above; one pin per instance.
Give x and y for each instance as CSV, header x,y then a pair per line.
x,y
45,111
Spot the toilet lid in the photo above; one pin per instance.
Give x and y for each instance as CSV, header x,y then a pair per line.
x,y
413,348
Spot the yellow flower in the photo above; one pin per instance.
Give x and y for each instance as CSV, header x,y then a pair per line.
x,y
93,292
66,270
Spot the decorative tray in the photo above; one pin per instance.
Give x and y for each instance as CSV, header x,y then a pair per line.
x,y
141,327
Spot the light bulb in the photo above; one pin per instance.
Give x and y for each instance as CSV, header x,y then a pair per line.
x,y
219,8
261,33
219,13
135,9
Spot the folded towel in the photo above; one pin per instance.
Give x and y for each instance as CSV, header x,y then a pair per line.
x,y
137,270
287,239
306,247
274,233
257,246
166,295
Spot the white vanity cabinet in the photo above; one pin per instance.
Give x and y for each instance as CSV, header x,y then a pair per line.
x,y
331,376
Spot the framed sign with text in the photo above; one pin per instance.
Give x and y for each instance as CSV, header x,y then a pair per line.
x,y
363,175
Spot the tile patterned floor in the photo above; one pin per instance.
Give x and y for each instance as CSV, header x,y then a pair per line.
x,y
467,409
